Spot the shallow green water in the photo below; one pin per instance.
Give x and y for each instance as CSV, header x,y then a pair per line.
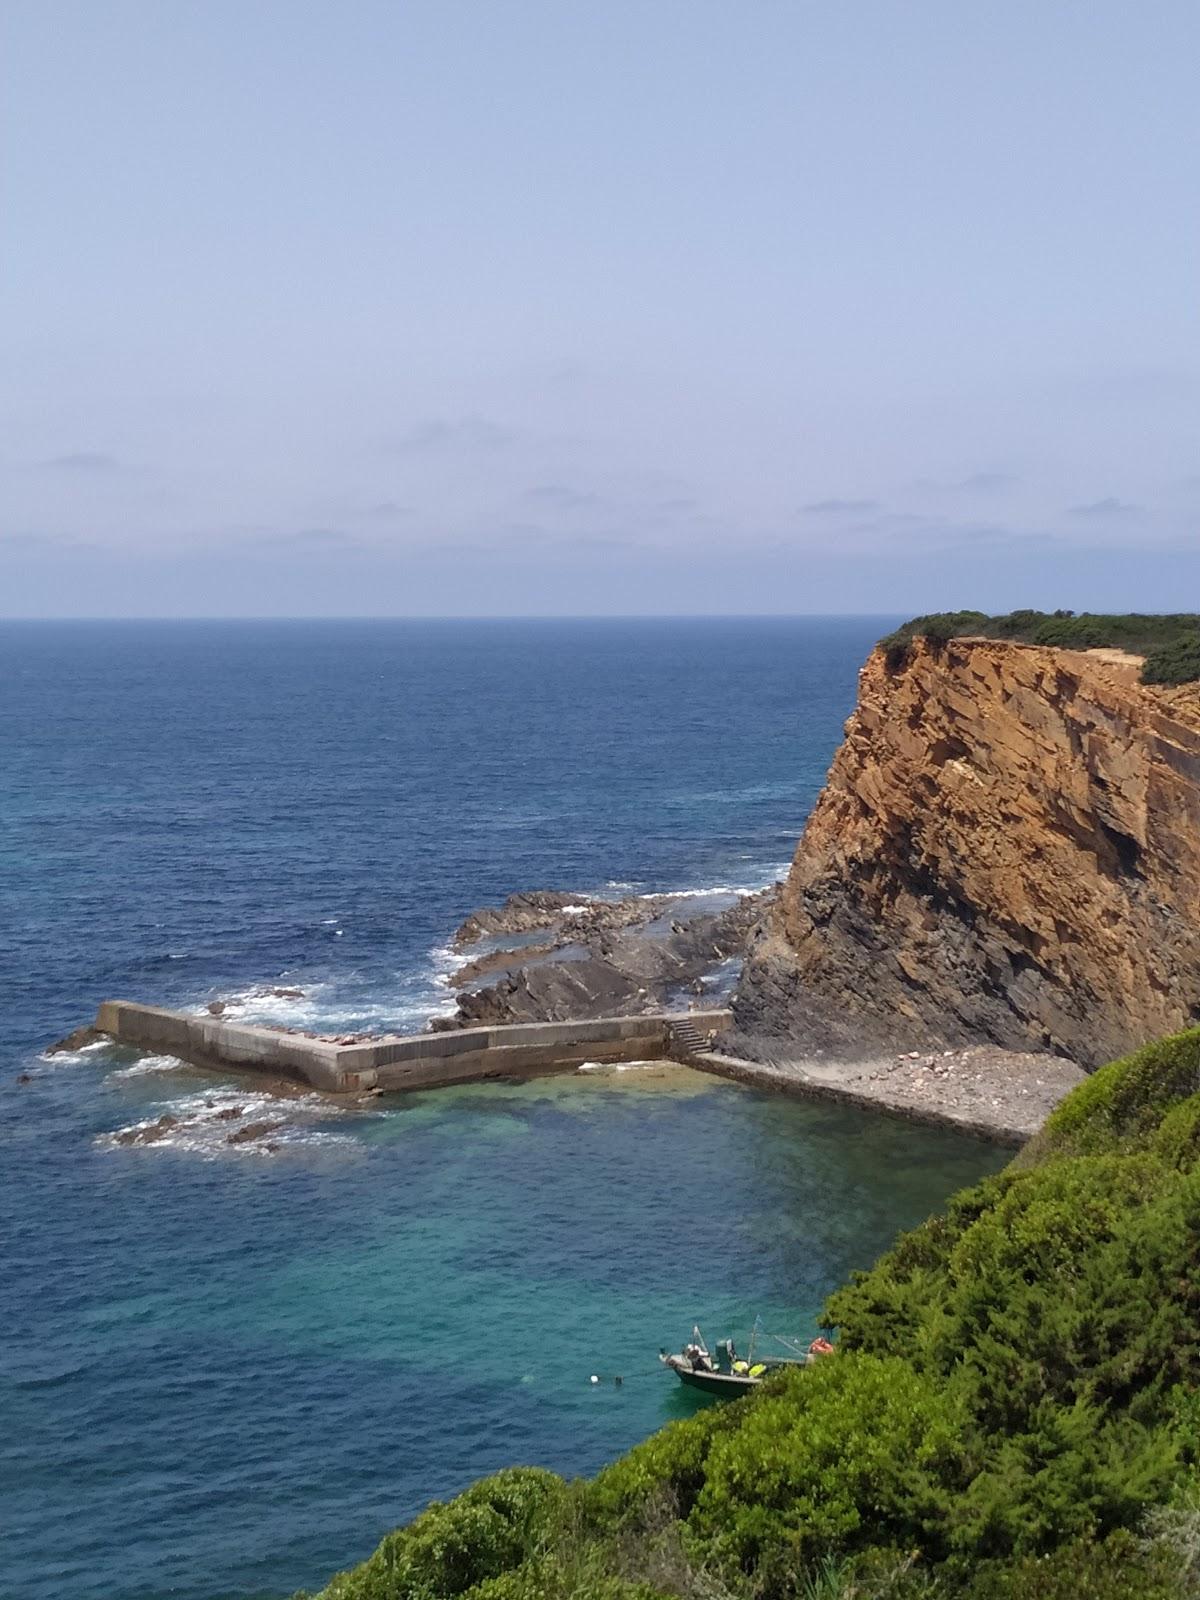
x,y
287,1355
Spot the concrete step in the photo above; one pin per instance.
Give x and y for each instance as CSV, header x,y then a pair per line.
x,y
689,1040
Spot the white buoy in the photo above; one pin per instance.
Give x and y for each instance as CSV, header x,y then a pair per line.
x,y
595,1379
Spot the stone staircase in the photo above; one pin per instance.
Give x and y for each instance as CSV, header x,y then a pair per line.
x,y
687,1040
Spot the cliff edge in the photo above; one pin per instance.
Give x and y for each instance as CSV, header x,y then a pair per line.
x,y
1007,849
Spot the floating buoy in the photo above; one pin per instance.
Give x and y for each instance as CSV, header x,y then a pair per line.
x,y
594,1378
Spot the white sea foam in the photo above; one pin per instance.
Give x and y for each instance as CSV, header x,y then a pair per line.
x,y
616,1066
698,891
203,1122
149,1065
76,1058
350,1001
444,960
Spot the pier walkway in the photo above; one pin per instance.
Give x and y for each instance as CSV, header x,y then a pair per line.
x,y
410,1061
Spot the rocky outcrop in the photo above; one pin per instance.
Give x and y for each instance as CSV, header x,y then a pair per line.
x,y
599,958
1007,849
77,1039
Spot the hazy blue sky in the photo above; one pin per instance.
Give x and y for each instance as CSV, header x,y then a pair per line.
x,y
548,306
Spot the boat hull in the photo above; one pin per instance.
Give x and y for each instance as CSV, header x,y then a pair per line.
x,y
717,1383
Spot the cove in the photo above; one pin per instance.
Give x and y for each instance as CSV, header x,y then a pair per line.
x,y
233,1373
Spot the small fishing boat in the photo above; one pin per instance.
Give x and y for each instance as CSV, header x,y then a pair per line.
x,y
724,1372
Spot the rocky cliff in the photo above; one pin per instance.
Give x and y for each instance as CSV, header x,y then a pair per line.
x,y
1007,849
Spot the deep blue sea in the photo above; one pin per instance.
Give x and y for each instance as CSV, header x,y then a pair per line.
x,y
227,1373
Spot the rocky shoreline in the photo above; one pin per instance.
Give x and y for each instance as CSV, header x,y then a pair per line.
x,y
548,956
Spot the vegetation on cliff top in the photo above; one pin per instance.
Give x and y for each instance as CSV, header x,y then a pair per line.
x,y
1169,643
1013,1412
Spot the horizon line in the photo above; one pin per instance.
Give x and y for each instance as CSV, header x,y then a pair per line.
x,y
489,616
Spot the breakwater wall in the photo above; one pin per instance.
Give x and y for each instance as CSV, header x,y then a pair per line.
x,y
411,1061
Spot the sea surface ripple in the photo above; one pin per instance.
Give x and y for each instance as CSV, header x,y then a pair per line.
x,y
226,1372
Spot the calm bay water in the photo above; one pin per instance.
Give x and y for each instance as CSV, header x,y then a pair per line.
x,y
226,1373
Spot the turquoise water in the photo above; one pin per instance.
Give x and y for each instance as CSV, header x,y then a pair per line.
x,y
225,1372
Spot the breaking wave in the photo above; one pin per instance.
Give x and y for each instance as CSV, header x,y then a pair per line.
x,y
230,1122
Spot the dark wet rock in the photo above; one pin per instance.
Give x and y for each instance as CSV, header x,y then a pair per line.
x,y
77,1040
252,1131
599,958
151,1133
24,1077
553,992
497,961
520,913
229,1114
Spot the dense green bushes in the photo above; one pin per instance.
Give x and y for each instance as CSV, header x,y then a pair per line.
x,y
1178,662
1017,1386
1169,643
451,1548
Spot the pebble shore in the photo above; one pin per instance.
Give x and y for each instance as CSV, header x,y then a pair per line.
x,y
1001,1095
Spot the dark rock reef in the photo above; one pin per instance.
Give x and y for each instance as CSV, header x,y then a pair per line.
x,y
598,958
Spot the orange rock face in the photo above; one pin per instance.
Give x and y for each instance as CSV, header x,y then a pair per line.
x,y
1007,848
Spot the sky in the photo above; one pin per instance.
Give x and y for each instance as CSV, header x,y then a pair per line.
x,y
471,307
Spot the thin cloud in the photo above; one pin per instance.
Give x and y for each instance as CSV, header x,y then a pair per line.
x,y
1110,506
302,541
562,497
973,483
385,511
438,435
899,521
83,461
833,508
33,541
986,482
30,544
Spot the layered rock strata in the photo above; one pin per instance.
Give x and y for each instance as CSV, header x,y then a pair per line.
x,y
1007,849
598,958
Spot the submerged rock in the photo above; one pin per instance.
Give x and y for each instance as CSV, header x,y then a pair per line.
x,y
252,1131
150,1133
78,1039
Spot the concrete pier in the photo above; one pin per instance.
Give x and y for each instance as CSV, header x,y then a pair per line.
x,y
410,1061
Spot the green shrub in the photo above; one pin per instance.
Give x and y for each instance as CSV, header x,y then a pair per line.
x,y
667,1468
547,1580
854,1451
1176,663
1169,643
1119,1106
1119,1568
449,1548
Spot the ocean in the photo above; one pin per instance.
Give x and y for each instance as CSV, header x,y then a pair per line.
x,y
226,1371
